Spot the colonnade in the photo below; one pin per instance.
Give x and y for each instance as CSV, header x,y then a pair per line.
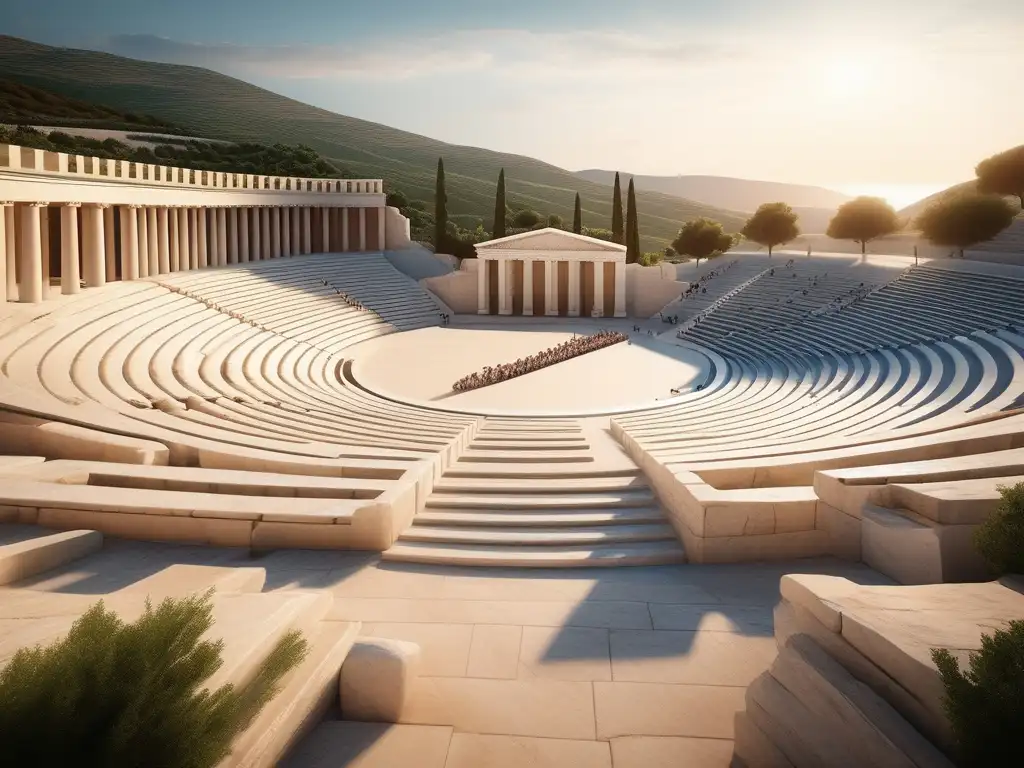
x,y
551,286
100,243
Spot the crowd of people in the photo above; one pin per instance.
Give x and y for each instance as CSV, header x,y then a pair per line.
x,y
574,347
350,300
700,285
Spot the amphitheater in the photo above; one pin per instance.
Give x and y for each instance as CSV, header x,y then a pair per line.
x,y
693,549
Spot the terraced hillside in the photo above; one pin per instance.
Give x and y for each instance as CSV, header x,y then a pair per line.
x,y
212,105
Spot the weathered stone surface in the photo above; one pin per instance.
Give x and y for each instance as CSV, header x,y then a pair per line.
x,y
377,679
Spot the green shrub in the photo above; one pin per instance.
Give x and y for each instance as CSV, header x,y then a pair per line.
x,y
131,695
985,704
1000,539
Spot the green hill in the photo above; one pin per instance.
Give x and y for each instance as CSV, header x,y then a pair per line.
x,y
211,105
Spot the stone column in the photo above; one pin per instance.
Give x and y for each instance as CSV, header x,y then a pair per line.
x,y
202,238
382,227
154,242
70,274
275,233
504,305
44,242
222,236
550,287
307,230
296,217
620,289
174,255
193,238
163,245
344,228
483,295
109,247
129,242
266,247
598,308
325,223
362,229
231,214
11,239
143,217
243,235
527,287
574,289
93,246
30,257
6,254
286,231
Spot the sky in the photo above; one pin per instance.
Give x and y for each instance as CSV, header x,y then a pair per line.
x,y
892,97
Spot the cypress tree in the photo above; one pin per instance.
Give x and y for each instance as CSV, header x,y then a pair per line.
x,y
632,227
577,217
440,207
617,212
499,207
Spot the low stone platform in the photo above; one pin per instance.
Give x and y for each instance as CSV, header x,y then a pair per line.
x,y
853,683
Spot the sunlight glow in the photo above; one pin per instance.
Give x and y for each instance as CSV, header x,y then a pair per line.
x,y
847,76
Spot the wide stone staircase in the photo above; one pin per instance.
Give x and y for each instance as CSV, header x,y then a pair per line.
x,y
529,493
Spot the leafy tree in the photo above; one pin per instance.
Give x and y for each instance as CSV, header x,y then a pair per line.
x,y
132,695
599,233
499,208
397,199
702,238
985,703
962,221
863,220
651,258
577,216
1003,174
772,224
1000,539
632,227
554,220
617,233
440,206
525,219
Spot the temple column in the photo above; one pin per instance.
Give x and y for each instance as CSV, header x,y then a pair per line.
x,y
30,257
275,233
109,246
44,242
574,289
163,241
483,296
10,240
286,232
307,230
266,247
143,266
504,305
527,286
231,215
222,236
193,238
550,287
598,309
344,228
362,229
620,289
296,217
211,237
70,275
174,254
93,246
154,242
382,227
130,242
181,222
202,238
325,224
6,256
242,215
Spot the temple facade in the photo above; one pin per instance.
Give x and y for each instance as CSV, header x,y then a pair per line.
x,y
551,272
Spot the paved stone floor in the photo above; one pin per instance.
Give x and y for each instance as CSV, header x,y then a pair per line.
x,y
623,667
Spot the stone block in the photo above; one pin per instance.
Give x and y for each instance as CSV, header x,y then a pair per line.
x,y
377,678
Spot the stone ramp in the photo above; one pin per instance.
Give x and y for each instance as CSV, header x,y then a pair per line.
x,y
854,683
534,501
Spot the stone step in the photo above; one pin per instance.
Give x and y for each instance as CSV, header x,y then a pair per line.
x,y
626,498
307,692
527,445
180,580
952,502
646,553
552,471
612,516
539,485
547,437
524,457
543,537
35,554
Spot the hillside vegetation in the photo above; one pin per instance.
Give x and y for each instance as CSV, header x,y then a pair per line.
x,y
215,106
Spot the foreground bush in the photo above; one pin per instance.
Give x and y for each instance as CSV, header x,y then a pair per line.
x,y
1000,539
122,695
985,703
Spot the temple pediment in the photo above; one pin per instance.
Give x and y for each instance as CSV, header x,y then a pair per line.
x,y
550,240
